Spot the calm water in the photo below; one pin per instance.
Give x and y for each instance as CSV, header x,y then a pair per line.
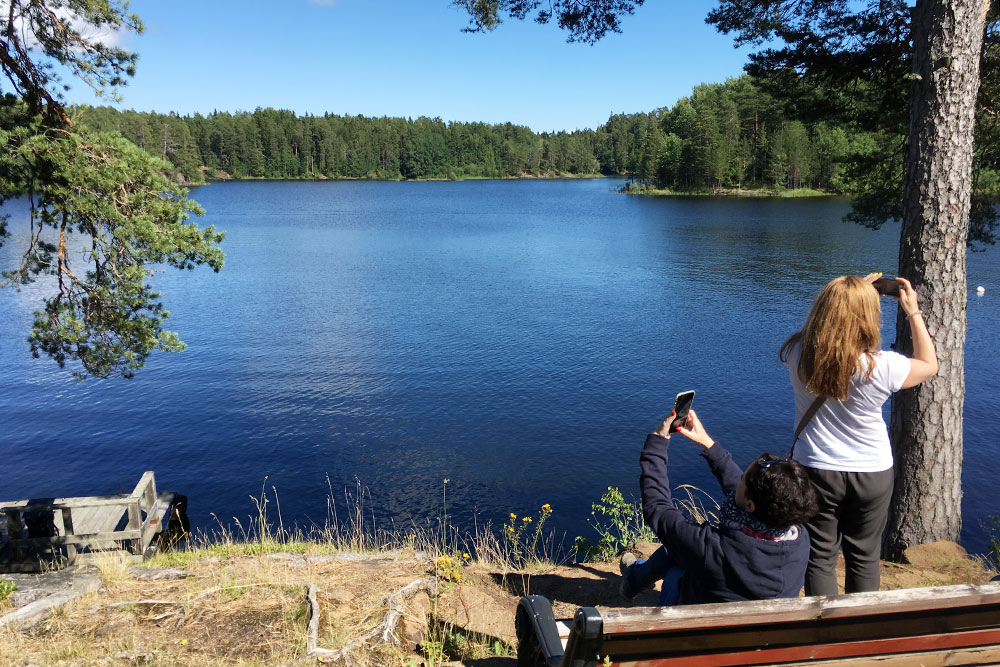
x,y
516,338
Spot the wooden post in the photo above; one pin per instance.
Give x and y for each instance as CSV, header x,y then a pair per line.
x,y
135,523
67,519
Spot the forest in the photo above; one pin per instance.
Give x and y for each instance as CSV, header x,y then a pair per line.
x,y
730,135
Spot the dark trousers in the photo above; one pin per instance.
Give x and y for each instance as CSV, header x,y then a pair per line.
x,y
853,509
661,565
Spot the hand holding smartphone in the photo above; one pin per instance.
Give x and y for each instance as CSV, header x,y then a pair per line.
x,y
682,405
886,286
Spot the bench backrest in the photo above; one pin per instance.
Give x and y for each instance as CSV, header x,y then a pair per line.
x,y
947,620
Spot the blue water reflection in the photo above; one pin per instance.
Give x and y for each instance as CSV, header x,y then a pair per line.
x,y
516,337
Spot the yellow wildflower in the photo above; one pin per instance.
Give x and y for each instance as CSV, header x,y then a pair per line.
x,y
466,556
546,507
526,519
513,516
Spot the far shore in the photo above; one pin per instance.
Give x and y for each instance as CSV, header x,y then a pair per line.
x,y
749,193
629,188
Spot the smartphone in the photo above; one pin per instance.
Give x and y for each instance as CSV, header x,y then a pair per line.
x,y
886,286
682,405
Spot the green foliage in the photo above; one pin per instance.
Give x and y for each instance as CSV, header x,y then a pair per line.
x,y
269,143
992,524
722,136
850,65
6,589
103,212
585,21
847,64
108,204
618,522
451,643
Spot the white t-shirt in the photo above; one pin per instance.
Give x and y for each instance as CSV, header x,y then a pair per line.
x,y
849,435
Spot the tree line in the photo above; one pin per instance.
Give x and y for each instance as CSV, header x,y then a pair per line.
x,y
732,134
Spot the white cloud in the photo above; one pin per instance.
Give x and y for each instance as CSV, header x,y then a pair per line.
x,y
106,35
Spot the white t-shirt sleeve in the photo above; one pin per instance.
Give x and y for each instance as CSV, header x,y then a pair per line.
x,y
895,368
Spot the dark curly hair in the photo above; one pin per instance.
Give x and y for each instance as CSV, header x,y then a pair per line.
x,y
782,493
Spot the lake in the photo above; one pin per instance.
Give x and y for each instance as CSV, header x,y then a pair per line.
x,y
517,338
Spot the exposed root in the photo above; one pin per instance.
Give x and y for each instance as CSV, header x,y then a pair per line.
x,y
384,632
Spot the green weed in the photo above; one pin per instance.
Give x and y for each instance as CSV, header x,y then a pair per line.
x,y
992,525
6,589
617,522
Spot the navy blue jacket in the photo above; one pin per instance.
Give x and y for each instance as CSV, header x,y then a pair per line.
x,y
721,564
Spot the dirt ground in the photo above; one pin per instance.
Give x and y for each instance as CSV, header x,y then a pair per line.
x,y
254,610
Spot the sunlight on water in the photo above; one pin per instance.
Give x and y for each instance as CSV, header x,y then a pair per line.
x,y
518,338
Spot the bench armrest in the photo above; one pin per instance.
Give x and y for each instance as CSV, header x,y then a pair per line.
x,y
538,642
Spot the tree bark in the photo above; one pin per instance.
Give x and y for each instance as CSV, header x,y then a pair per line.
x,y
926,423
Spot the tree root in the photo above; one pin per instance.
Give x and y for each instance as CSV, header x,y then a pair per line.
x,y
384,632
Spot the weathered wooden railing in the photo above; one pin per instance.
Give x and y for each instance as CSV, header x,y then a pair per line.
x,y
57,530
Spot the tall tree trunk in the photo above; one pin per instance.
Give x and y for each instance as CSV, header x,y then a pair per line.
x,y
926,422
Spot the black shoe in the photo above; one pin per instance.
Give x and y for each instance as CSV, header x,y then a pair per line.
x,y
624,589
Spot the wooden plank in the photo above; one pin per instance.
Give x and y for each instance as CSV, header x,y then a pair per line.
x,y
767,656
799,609
135,523
67,526
962,657
156,519
14,525
102,519
59,503
805,633
117,535
146,480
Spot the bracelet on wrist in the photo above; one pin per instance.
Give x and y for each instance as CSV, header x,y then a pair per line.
x,y
916,312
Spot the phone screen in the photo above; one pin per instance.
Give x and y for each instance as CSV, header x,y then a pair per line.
x,y
682,405
886,286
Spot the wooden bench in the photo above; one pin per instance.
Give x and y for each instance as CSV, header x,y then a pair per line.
x,y
47,532
947,625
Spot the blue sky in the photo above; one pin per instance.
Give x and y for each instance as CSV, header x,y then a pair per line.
x,y
410,58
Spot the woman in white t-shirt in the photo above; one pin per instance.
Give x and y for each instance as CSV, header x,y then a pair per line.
x,y
845,445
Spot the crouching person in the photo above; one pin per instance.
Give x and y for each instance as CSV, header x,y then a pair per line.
x,y
758,551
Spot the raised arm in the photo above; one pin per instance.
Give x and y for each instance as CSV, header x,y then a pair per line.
x,y
719,460
688,542
924,363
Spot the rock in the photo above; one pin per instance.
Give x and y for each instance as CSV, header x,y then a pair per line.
x,y
477,611
645,549
35,612
156,574
292,560
34,587
20,598
413,627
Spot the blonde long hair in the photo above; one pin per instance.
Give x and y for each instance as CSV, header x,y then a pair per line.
x,y
843,325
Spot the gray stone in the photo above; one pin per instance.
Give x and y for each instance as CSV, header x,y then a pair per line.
x,y
20,598
38,594
35,612
291,560
154,574
140,658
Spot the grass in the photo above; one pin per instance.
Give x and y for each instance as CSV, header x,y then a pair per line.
x,y
244,605
774,193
